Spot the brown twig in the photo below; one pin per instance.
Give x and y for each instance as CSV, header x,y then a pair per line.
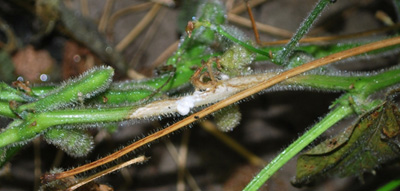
x,y
228,101
107,171
253,22
229,5
183,151
105,16
174,153
252,158
84,8
337,37
260,26
242,6
115,16
384,18
148,37
138,28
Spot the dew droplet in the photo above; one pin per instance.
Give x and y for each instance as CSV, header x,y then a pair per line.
x,y
20,78
76,58
44,77
109,49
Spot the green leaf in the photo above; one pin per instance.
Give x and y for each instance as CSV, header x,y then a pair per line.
x,y
75,142
371,142
227,118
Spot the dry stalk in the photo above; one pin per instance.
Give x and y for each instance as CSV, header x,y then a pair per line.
x,y
115,16
322,39
251,157
242,6
260,26
85,8
107,171
105,16
138,28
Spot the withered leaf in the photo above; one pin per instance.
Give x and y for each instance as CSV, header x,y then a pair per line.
x,y
371,142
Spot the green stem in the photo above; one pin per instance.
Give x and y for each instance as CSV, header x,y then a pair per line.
x,y
7,153
8,93
380,81
323,82
86,86
392,185
241,43
282,56
35,124
333,117
5,110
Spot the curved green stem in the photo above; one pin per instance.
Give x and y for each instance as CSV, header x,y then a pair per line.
x,y
333,117
241,43
392,185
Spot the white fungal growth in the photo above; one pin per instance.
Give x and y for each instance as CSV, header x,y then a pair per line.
x,y
184,105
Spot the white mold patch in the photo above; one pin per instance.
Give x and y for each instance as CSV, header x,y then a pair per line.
x,y
185,104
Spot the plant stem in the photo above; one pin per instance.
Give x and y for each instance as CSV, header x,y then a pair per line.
x,y
378,82
8,93
7,153
333,117
241,43
5,110
282,56
35,124
86,86
392,185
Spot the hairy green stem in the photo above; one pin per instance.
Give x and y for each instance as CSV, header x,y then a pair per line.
x,y
86,86
282,57
35,124
7,153
333,117
375,83
248,46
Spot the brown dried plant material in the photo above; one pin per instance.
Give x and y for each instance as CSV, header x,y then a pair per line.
x,y
30,63
76,60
